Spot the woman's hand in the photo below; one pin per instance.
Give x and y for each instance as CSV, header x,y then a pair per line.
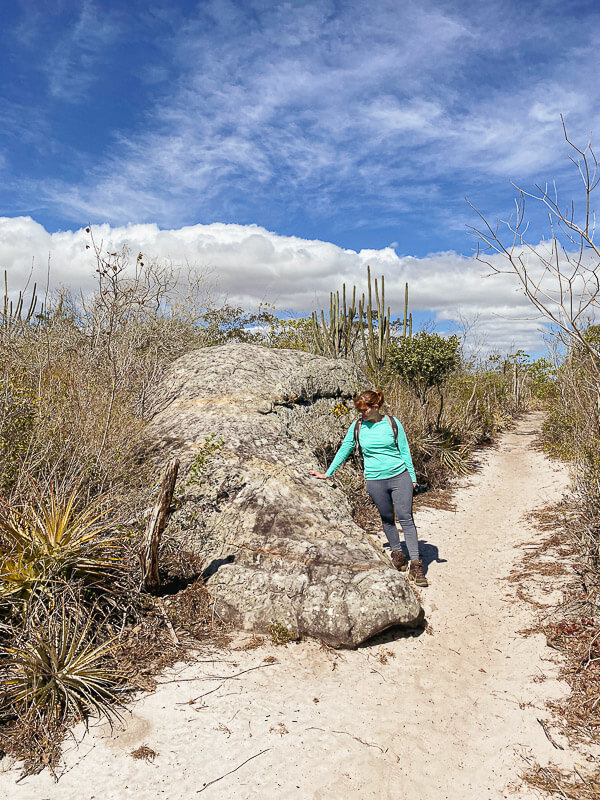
x,y
320,475
415,484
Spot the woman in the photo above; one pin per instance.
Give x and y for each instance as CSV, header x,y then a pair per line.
x,y
389,474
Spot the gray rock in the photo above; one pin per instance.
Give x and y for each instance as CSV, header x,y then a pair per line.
x,y
279,545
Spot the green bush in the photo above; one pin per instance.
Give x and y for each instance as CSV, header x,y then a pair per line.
x,y
424,360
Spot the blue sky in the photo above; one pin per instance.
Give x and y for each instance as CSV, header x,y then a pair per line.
x,y
364,125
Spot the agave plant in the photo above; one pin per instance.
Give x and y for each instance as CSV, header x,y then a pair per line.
x,y
50,539
61,671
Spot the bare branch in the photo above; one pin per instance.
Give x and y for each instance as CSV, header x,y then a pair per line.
x,y
559,277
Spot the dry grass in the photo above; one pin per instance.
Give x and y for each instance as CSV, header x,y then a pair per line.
x,y
572,628
252,643
144,753
35,744
560,783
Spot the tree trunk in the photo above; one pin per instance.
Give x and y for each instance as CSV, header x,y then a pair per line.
x,y
156,525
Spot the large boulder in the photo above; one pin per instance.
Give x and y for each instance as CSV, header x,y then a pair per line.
x,y
279,545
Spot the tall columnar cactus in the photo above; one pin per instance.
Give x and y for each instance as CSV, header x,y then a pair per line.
x,y
407,319
336,336
376,332
14,316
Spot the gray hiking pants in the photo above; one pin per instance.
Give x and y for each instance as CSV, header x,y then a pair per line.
x,y
396,493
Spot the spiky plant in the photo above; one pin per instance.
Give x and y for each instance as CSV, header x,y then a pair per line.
x,y
61,672
20,577
452,454
50,538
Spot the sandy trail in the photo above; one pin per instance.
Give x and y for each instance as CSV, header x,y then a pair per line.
x,y
443,715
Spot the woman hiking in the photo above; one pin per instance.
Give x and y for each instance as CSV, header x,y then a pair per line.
x,y
389,474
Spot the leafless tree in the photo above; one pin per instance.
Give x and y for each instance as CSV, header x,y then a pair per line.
x,y
560,276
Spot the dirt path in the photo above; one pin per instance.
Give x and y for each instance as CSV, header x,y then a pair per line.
x,y
443,715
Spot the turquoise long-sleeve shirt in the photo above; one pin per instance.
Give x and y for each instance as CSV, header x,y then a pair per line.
x,y
382,459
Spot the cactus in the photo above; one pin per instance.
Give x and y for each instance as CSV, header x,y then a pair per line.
x,y
407,319
375,334
12,316
336,336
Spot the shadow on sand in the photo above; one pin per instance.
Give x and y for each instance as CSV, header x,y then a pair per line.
x,y
428,552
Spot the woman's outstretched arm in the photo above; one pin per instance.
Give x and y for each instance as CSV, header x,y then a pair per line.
x,y
346,448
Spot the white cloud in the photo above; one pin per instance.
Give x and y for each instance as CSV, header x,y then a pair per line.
x,y
339,113
296,102
331,109
249,264
74,58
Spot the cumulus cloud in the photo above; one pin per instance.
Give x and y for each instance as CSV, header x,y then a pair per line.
x,y
248,264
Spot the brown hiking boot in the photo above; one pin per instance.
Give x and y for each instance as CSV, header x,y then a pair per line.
x,y
416,573
399,560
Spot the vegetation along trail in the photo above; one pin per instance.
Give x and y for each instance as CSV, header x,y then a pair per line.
x,y
451,712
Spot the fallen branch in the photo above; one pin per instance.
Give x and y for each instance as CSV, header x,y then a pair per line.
x,y
346,733
231,771
201,697
217,677
547,732
165,616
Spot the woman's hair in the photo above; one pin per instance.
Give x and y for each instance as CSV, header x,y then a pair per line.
x,y
368,399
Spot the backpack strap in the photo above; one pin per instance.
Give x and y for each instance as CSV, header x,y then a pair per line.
x,y
357,427
394,426
358,424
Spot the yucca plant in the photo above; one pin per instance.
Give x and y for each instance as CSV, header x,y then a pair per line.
x,y
50,539
61,672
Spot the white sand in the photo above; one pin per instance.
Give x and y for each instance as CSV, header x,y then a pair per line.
x,y
446,715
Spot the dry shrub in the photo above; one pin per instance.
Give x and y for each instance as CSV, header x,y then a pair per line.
x,y
572,432
75,375
118,648
78,638
466,413
572,628
560,783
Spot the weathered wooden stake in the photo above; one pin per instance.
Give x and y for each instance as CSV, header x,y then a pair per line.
x,y
156,526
